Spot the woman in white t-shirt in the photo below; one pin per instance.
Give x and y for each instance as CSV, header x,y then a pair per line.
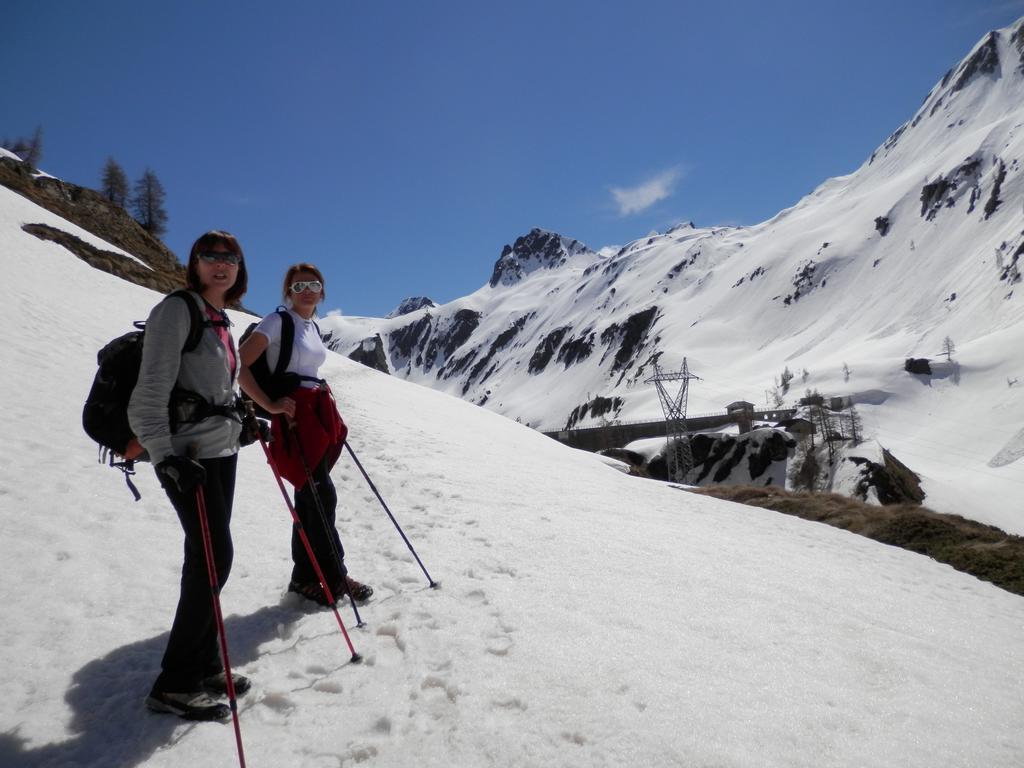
x,y
308,433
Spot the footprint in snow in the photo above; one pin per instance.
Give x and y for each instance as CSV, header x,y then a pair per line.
x,y
514,703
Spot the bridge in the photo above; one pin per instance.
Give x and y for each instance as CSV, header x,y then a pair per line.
x,y
621,433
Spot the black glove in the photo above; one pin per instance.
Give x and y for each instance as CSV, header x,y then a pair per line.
x,y
254,429
180,473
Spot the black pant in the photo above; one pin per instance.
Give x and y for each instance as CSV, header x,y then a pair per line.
x,y
323,536
192,648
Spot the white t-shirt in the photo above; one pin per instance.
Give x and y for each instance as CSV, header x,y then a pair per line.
x,y
308,351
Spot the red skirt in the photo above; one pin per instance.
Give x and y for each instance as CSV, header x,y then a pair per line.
x,y
316,434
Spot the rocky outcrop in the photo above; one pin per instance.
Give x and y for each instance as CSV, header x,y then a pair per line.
x,y
410,305
594,409
984,61
919,365
576,349
993,201
109,261
370,353
892,481
449,337
92,212
502,340
754,458
409,339
546,349
803,282
1017,38
947,189
630,337
536,250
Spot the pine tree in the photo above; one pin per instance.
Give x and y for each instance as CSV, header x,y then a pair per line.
x,y
29,150
114,183
948,348
148,204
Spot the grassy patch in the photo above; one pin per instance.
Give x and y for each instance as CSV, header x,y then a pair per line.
x,y
981,550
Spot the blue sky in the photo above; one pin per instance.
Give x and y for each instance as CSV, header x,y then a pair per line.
x,y
400,145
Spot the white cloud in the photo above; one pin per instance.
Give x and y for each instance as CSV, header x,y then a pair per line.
x,y
641,197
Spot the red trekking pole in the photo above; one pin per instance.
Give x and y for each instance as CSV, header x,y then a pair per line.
x,y
211,570
356,658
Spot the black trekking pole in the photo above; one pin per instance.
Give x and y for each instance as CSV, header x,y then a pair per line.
x,y
433,584
356,658
211,569
323,519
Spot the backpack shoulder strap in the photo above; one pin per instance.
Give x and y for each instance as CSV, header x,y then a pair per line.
x,y
284,356
196,320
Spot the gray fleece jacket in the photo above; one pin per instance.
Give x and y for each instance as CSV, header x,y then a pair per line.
x,y
205,371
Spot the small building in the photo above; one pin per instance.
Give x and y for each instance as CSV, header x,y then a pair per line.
x,y
742,413
797,426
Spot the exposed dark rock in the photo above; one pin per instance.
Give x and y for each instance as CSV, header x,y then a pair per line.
x,y
445,341
894,138
595,409
457,365
94,213
108,261
921,365
546,349
411,304
407,339
882,225
536,250
500,342
370,352
630,335
752,276
576,350
634,459
1011,272
689,261
985,60
803,283
932,196
993,201
716,456
939,193
893,481
1017,38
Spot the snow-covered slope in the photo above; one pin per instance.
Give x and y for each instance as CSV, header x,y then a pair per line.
x,y
924,241
585,618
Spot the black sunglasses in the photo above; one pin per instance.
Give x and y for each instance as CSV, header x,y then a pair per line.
x,y
213,257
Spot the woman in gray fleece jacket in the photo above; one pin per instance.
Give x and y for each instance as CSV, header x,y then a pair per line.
x,y
194,442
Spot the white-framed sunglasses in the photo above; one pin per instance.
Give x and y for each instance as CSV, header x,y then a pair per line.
x,y
313,285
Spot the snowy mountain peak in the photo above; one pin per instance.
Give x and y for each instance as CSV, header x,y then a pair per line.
x,y
983,87
411,304
539,249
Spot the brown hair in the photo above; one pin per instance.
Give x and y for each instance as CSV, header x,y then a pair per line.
x,y
210,240
293,270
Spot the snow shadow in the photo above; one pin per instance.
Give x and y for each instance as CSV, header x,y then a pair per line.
x,y
110,723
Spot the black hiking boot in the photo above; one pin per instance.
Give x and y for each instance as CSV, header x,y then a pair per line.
x,y
195,705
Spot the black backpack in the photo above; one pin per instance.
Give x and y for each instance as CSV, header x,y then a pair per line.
x,y
278,382
105,415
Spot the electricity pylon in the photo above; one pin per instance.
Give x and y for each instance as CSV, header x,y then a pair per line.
x,y
678,456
